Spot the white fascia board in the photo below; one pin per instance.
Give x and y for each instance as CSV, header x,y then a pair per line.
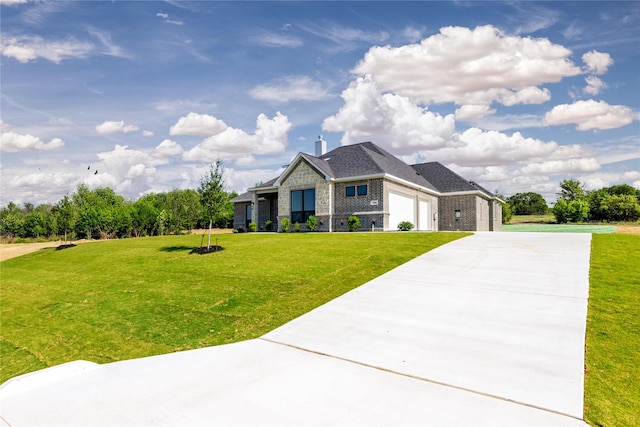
x,y
469,193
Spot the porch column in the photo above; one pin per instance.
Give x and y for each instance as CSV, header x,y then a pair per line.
x,y
254,208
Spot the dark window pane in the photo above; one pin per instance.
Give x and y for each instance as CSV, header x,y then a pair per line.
x,y
362,190
297,217
351,191
296,201
309,200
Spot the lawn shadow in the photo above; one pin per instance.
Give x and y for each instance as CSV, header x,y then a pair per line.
x,y
176,248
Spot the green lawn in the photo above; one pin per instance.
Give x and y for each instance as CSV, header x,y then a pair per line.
x,y
612,383
129,298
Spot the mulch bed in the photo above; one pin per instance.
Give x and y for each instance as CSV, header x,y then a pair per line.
x,y
204,250
65,246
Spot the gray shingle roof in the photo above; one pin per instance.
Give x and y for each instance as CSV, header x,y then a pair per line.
x,y
446,180
366,159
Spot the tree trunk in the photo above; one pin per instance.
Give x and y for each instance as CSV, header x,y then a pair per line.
x,y
209,240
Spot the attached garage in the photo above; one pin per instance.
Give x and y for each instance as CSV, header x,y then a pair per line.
x,y
401,208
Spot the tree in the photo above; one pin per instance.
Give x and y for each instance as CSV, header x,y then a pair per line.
x,y
66,215
506,213
528,204
620,207
184,207
212,194
571,189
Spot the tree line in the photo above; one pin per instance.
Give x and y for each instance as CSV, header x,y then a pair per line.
x,y
575,204
103,214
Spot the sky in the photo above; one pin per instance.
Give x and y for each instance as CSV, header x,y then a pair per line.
x,y
143,96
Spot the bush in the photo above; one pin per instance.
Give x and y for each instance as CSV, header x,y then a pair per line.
x,y
267,225
285,224
573,211
353,223
312,223
507,213
296,227
405,226
252,226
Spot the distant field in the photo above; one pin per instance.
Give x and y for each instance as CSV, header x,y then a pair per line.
x,y
122,299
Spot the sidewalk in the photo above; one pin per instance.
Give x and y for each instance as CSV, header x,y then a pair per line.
x,y
487,330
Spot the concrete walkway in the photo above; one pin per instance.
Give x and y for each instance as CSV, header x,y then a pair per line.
x,y
484,331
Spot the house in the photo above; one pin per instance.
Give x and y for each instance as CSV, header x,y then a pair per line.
x,y
366,181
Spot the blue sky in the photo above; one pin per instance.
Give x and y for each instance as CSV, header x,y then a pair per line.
x,y
516,96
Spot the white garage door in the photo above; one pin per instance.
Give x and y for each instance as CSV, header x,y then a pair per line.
x,y
401,208
425,216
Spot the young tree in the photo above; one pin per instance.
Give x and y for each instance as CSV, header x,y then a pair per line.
x,y
66,215
213,196
571,189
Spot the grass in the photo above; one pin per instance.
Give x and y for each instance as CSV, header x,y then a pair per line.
x,y
612,382
547,218
130,298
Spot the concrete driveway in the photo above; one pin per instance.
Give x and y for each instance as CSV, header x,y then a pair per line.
x,y
484,331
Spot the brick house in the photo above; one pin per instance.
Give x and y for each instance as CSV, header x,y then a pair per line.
x,y
366,181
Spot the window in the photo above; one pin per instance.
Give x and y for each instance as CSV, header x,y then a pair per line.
x,y
362,190
351,191
303,205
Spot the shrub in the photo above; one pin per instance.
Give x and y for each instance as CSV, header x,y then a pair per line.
x,y
296,227
405,226
507,213
267,225
353,223
285,224
573,211
252,226
312,223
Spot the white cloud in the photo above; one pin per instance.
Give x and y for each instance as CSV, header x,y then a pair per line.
x,y
147,133
232,144
594,85
12,2
469,66
562,167
199,125
476,147
12,142
291,88
597,62
28,48
276,40
165,17
590,114
110,127
168,148
473,112
390,120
